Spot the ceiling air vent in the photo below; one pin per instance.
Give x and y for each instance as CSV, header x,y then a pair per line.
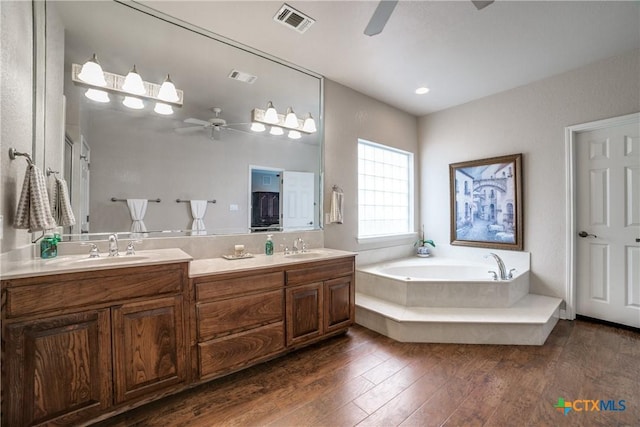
x,y
242,76
292,18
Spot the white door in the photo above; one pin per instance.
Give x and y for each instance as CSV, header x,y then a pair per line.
x,y
85,161
297,200
608,223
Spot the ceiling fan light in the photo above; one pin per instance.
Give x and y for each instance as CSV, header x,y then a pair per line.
x,y
294,134
291,120
309,124
92,73
162,108
133,102
168,91
133,83
97,95
271,115
258,127
276,130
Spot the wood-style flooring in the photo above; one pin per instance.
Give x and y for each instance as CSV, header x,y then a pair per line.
x,y
365,379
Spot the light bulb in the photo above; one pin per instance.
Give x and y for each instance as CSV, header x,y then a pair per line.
x,y
294,134
97,95
271,115
276,130
162,108
92,73
133,83
258,127
422,90
168,91
309,124
133,102
291,120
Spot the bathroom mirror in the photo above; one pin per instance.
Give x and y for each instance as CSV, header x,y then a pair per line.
x,y
115,152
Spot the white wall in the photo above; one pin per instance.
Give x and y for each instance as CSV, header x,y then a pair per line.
x,y
529,120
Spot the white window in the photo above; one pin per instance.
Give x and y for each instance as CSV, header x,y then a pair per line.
x,y
385,190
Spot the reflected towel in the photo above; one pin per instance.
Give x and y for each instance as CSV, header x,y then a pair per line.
x,y
137,209
62,212
34,212
335,215
198,209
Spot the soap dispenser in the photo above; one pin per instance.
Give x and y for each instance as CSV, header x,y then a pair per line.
x,y
268,246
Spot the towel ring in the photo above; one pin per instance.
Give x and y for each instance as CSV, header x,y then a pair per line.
x,y
13,153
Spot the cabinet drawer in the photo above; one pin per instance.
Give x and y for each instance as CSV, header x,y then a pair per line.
x,y
239,313
237,285
97,287
235,351
322,271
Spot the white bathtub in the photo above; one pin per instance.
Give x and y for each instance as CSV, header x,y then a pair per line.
x,y
440,282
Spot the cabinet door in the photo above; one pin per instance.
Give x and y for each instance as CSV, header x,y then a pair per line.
x,y
304,313
57,368
338,303
148,342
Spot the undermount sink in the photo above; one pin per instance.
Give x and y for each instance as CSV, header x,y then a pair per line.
x,y
304,255
105,260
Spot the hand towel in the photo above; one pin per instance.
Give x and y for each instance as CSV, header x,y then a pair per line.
x,y
34,212
63,214
198,209
335,215
137,209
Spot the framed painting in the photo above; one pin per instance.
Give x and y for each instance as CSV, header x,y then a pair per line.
x,y
486,203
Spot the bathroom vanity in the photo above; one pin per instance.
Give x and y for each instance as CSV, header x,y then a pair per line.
x,y
85,340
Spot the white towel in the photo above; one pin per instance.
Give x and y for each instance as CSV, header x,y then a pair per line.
x,y
34,212
198,209
137,209
337,198
62,212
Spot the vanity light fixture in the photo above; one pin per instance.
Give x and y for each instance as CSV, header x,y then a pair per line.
x,y
133,83
290,119
271,115
294,134
258,127
168,91
92,73
162,108
276,130
309,124
133,102
97,95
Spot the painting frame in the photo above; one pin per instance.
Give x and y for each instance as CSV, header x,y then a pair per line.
x,y
486,205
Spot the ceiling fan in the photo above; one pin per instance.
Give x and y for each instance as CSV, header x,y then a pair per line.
x,y
385,9
214,125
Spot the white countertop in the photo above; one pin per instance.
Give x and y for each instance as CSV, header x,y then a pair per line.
x,y
203,267
78,263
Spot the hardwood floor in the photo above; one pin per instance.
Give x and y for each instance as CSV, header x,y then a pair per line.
x,y
365,379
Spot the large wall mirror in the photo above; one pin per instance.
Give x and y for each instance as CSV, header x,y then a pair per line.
x,y
113,152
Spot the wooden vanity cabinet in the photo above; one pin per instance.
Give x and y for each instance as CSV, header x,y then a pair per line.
x,y
79,345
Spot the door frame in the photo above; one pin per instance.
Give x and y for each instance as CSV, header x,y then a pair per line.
x,y
570,138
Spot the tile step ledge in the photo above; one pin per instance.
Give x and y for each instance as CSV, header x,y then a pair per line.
x,y
527,322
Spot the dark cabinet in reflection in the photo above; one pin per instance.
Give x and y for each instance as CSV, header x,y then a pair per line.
x,y
265,207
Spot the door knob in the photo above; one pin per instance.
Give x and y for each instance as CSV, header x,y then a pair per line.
x,y
637,240
585,234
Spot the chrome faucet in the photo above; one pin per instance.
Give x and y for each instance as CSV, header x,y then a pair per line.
x,y
503,271
113,245
298,245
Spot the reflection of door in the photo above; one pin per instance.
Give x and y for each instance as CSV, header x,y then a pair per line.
x,y
608,212
83,206
297,200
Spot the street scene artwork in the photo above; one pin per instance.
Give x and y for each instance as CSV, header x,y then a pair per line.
x,y
486,196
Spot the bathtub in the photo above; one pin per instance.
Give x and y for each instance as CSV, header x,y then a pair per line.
x,y
440,282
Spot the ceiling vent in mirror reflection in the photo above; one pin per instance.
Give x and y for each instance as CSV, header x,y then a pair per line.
x,y
242,76
289,17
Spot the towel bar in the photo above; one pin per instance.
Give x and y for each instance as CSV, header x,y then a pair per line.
x,y
187,201
113,199
13,153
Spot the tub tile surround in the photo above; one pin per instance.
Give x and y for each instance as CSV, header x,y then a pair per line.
x,y
481,312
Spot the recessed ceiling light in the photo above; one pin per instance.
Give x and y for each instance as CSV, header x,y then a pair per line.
x,y
422,90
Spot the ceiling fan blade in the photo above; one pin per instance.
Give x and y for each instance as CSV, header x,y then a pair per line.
x,y
481,4
188,129
193,121
380,17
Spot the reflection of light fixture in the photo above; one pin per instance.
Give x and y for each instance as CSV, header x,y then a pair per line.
x,y
258,127
290,119
92,72
276,130
133,102
309,124
168,91
271,115
133,83
422,90
162,108
294,134
97,95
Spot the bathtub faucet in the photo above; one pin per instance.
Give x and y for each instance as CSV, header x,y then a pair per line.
x,y
503,270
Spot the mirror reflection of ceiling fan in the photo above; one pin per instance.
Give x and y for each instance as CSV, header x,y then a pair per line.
x,y
214,125
385,9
